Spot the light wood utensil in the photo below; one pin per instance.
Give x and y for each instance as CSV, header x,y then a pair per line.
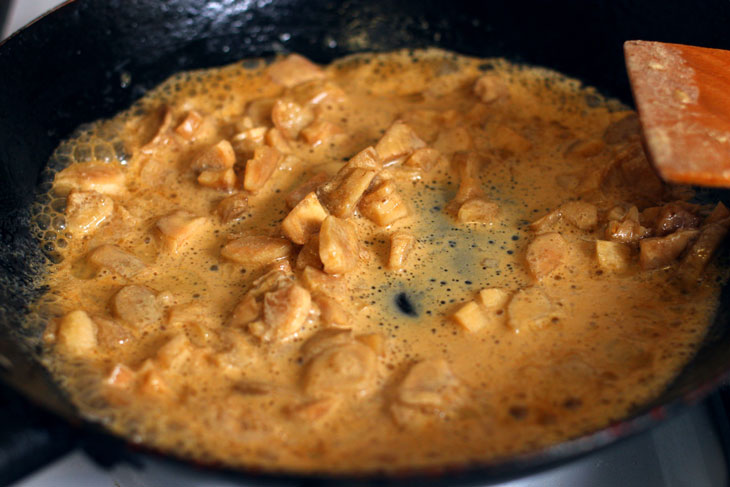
x,y
682,94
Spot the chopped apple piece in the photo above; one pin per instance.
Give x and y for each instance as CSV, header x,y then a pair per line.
x,y
224,180
398,142
304,220
217,157
545,254
490,87
76,333
290,117
701,251
136,306
613,256
478,210
284,313
86,210
486,311
331,312
367,158
179,227
232,208
190,125
348,368
246,142
342,194
260,168
580,214
116,260
257,250
425,158
471,317
383,205
294,69
245,312
174,353
657,252
338,248
320,131
309,254
320,282
297,194
89,176
401,244
276,140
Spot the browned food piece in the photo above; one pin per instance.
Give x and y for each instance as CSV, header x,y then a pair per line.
x,y
627,231
486,311
323,340
89,176
258,111
490,87
294,69
701,251
383,205
177,228
343,369
580,214
425,158
546,223
367,158
401,245
217,157
342,193
673,217
290,117
245,142
283,314
257,250
86,210
224,180
331,312
613,256
260,168
247,310
658,252
530,308
304,220
232,208
297,194
453,139
136,306
276,140
318,281
478,210
190,125
309,254
545,254
76,334
173,353
623,130
116,260
398,142
320,131
338,247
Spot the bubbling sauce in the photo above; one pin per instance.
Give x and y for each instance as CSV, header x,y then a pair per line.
x,y
401,260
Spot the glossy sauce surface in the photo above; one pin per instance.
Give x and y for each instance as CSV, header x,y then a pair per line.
x,y
356,337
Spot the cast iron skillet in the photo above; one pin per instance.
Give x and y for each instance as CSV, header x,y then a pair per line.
x,y
75,66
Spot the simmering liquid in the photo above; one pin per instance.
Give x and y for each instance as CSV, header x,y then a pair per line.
x,y
400,260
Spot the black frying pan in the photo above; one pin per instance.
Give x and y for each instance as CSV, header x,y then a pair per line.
x,y
66,69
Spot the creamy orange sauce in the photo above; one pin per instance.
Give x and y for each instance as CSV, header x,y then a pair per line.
x,y
386,365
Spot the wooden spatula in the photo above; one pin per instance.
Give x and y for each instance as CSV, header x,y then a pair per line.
x,y
683,97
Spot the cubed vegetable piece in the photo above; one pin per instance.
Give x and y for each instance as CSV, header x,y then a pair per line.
x,y
297,194
545,254
425,158
613,256
331,312
260,168
320,282
471,317
367,158
215,158
383,205
232,208
136,305
546,223
174,352
116,260
398,142
338,247
493,298
348,368
304,220
486,311
246,311
86,210
257,251
401,245
530,308
478,210
342,194
224,180
89,176
580,214
320,131
294,69
490,87
246,142
284,313
179,227
290,117
190,125
309,254
276,140
76,334
658,252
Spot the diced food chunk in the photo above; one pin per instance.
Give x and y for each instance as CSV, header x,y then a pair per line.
x,y
701,251
425,158
190,125
348,368
673,217
294,69
136,306
284,313
232,208
177,228
383,205
490,87
89,176
530,308
76,334
486,311
367,158
398,142
580,214
257,251
86,210
545,254
331,312
338,247
613,256
320,131
246,311
217,157
661,251
343,192
224,180
260,168
304,220
311,184
246,142
478,210
626,231
320,282
174,352
401,244
116,260
290,117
